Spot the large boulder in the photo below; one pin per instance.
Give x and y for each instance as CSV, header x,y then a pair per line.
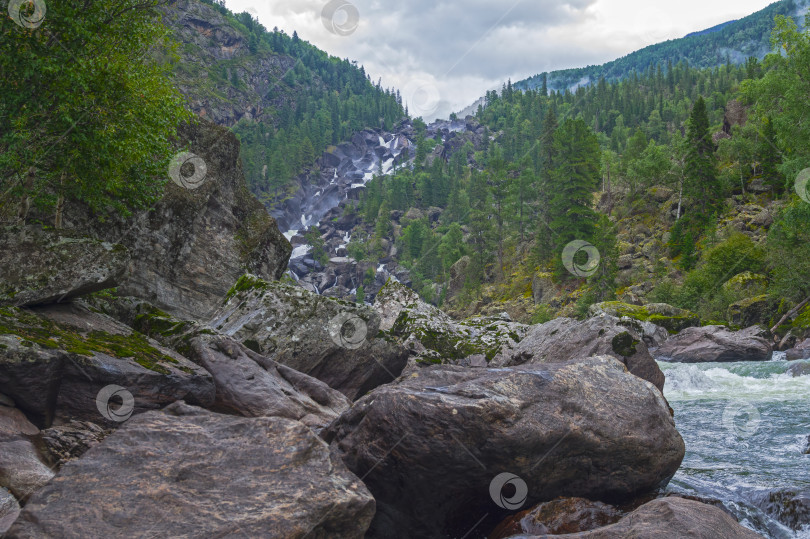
x,y
429,446
436,337
251,385
752,311
669,517
335,341
194,243
565,339
800,351
185,470
66,362
715,344
44,266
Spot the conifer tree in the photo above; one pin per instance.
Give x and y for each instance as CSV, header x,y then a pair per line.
x,y
702,184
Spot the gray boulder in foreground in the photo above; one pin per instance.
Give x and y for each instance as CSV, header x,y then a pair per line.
x,y
187,472
669,517
65,362
715,344
429,446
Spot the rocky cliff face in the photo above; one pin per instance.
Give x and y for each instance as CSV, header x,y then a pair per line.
x,y
189,248
208,38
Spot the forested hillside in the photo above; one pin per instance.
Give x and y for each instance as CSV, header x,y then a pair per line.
x,y
679,180
285,99
732,42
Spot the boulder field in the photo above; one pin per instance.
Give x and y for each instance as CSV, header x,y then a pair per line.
x,y
150,386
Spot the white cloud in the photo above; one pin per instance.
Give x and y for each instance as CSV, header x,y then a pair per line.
x,y
450,53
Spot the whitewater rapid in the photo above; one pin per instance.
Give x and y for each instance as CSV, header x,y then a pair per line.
x,y
745,426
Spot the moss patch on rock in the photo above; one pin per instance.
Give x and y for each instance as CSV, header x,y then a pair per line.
x,y
670,318
34,330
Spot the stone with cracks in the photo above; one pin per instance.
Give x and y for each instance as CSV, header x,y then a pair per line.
x,y
429,446
44,266
251,385
335,341
187,472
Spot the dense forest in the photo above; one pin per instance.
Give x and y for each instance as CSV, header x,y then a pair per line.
x,y
319,101
561,167
733,42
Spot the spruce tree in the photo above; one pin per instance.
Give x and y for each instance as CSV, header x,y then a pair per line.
x,y
702,183
770,158
573,181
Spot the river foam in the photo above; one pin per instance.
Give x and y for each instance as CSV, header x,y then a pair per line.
x,y
745,425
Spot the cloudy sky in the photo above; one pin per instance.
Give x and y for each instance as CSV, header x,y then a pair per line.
x,y
443,55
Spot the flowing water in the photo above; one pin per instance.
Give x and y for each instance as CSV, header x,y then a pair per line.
x,y
745,426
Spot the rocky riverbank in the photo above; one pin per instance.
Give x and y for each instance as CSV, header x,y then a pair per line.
x,y
149,386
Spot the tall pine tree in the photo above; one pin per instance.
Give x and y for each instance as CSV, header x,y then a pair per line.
x,y
702,183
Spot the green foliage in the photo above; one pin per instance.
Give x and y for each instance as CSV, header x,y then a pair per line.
x,y
703,290
314,240
788,249
702,183
86,112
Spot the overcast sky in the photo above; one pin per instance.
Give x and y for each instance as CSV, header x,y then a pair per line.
x,y
443,55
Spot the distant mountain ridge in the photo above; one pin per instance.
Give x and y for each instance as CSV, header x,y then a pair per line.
x,y
711,30
732,41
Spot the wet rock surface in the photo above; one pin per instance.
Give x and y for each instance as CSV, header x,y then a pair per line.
x,y
565,515
715,344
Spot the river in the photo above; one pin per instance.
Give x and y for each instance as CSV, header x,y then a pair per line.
x,y
745,426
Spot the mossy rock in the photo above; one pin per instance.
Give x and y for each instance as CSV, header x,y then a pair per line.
x,y
670,318
34,330
747,284
752,311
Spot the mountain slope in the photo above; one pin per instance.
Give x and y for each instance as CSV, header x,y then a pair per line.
x,y
286,100
732,41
